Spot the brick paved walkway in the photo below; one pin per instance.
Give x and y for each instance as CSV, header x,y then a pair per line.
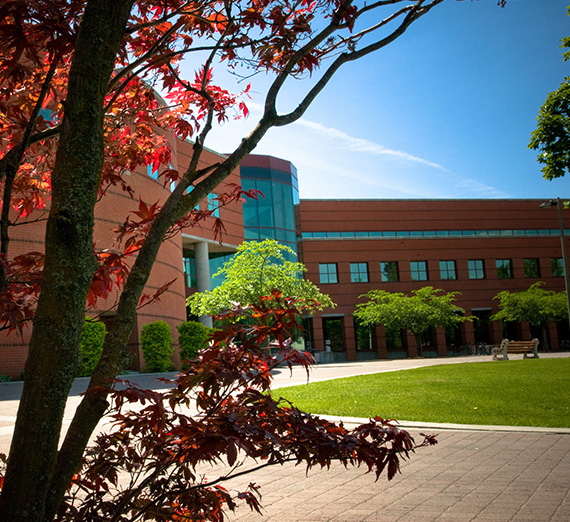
x,y
483,476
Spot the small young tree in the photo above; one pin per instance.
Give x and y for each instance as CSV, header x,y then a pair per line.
x,y
254,271
426,308
535,305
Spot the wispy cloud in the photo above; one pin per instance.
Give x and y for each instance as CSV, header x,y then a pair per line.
x,y
362,145
481,189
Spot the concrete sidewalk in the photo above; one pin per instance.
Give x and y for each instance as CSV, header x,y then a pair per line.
x,y
482,473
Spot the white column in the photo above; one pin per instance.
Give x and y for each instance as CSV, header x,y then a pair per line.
x,y
202,261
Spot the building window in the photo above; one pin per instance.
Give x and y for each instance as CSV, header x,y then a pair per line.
x,y
358,273
557,266
389,271
189,269
418,270
476,270
531,267
447,270
213,205
328,273
152,173
504,269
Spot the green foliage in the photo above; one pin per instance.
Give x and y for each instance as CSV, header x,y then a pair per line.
x,y
552,133
531,392
192,337
534,305
91,345
419,312
156,343
258,268
5,378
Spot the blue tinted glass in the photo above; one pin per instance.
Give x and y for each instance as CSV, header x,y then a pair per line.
x,y
251,233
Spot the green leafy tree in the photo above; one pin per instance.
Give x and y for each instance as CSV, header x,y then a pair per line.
x,y
535,305
255,271
552,134
426,308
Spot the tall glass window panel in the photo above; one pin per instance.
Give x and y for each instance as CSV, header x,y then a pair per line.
x,y
447,270
189,269
504,268
557,267
531,267
389,271
328,273
476,269
358,273
418,270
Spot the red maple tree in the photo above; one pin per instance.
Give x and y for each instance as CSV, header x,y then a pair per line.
x,y
78,109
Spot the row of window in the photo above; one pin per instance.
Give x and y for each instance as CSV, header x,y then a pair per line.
x,y
390,273
433,233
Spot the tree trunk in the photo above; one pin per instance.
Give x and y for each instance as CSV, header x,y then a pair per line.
x,y
53,359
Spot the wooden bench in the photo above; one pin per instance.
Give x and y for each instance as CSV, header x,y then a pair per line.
x,y
524,347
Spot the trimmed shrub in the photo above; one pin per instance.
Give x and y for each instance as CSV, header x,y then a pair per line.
x,y
192,337
156,343
91,345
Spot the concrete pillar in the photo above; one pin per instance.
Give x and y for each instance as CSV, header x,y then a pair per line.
x,y
202,261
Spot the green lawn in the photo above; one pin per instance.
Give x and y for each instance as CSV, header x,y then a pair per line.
x,y
510,393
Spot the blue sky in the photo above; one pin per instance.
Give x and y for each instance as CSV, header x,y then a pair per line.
x,y
444,112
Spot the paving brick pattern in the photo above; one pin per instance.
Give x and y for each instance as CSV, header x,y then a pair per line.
x,y
483,476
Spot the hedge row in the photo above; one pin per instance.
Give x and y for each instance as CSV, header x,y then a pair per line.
x,y
156,343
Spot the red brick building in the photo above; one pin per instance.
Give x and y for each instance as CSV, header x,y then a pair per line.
x,y
111,212
476,247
